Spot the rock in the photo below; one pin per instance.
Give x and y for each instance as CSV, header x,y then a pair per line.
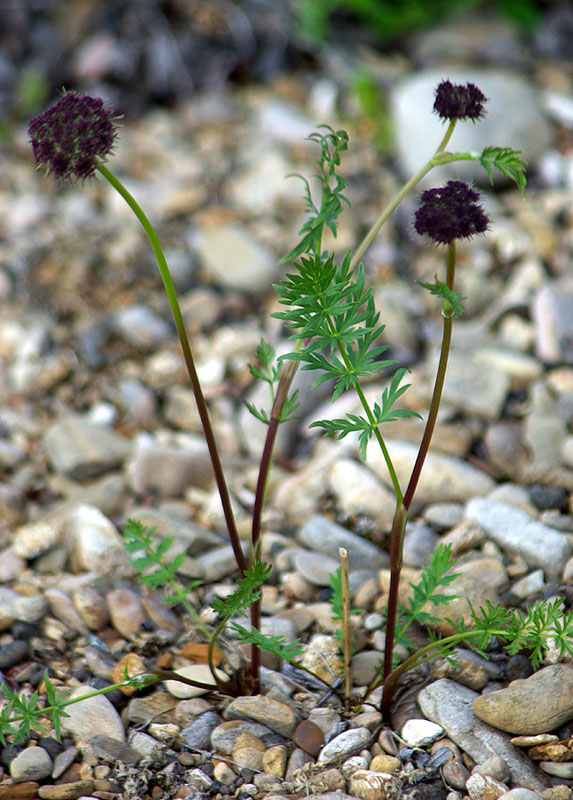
x,y
11,565
248,752
93,541
141,327
82,449
195,672
373,785
535,739
358,491
274,760
64,760
521,794
131,665
198,734
309,737
537,704
509,119
325,536
35,538
419,544
473,389
420,732
126,612
275,715
66,791
13,653
385,763
322,656
465,671
483,787
32,764
553,319
233,258
346,744
563,769
455,773
494,767
224,736
518,534
450,705
62,608
467,535
530,585
169,469
445,479
91,607
91,717
316,568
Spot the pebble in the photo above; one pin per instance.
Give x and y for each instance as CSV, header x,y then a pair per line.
x,y
13,652
248,752
92,717
494,767
551,310
520,535
309,737
169,470
19,791
538,704
483,787
141,327
521,794
275,715
325,536
224,735
126,612
450,705
323,658
535,739
419,544
316,568
195,672
233,258
62,608
358,491
563,769
66,791
32,764
82,449
530,585
346,744
93,541
373,785
420,732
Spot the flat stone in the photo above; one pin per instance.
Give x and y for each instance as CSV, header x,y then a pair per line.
x,y
32,764
518,534
275,715
92,717
224,736
370,785
195,672
563,769
421,732
484,787
450,705
66,791
82,449
19,791
126,612
316,568
169,469
358,490
325,536
553,317
141,327
93,541
534,739
346,744
198,734
537,704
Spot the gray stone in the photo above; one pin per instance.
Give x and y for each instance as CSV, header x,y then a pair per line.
x,y
82,449
224,736
510,118
450,705
169,469
421,732
141,326
521,794
211,566
538,704
197,735
189,537
316,568
474,389
518,534
553,316
232,257
346,744
275,715
325,536
358,491
419,543
93,541
444,516
32,764
92,717
563,769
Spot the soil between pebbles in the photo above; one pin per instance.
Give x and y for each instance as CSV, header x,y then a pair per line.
x,y
97,424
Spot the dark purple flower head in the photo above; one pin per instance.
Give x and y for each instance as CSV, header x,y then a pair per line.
x,y
450,212
72,135
455,101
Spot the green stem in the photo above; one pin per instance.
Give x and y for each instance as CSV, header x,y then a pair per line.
x,y
189,360
368,239
399,523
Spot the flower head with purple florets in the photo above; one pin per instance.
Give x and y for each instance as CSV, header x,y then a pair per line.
x,y
455,101
450,212
72,135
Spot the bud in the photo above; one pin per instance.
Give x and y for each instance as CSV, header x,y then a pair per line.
x,y
455,101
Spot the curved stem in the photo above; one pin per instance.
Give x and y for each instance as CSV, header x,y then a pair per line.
x,y
189,361
368,239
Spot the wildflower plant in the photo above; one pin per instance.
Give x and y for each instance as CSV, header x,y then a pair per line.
x,y
334,327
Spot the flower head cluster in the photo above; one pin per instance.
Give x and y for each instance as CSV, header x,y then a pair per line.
x,y
450,212
71,136
455,101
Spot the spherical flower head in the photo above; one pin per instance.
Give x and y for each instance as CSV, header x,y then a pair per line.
x,y
72,135
455,101
450,212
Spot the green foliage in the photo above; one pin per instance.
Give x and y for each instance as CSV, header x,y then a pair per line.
x,y
268,372
137,538
332,144
452,301
276,645
246,594
353,423
507,161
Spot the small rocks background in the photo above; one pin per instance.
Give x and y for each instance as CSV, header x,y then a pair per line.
x,y
98,424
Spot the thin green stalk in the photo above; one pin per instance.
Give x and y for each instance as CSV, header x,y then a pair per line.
x,y
399,523
368,239
189,361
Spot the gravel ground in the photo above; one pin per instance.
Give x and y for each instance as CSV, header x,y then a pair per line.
x,y
98,424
